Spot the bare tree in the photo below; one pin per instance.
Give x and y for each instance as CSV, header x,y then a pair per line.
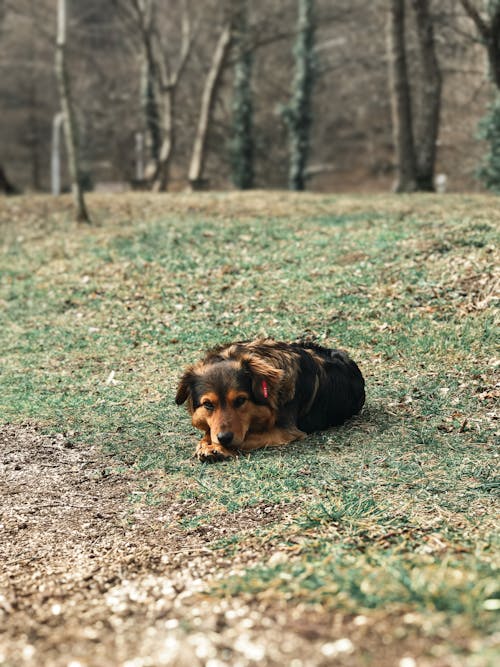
x,y
150,106
207,103
162,80
298,113
401,99
242,142
5,185
487,23
415,110
427,119
70,124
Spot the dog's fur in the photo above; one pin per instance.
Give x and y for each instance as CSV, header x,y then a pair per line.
x,y
262,393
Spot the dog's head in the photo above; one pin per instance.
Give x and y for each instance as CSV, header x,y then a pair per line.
x,y
230,397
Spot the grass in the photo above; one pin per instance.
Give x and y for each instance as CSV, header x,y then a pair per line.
x,y
397,510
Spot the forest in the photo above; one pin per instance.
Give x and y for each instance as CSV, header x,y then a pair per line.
x,y
176,94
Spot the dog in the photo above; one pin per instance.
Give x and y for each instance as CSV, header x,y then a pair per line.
x,y
264,393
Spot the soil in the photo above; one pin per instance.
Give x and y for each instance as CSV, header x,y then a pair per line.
x,y
90,578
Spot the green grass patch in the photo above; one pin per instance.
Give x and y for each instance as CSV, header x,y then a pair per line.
x,y
357,582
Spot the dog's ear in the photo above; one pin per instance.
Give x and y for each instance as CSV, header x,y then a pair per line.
x,y
265,377
184,389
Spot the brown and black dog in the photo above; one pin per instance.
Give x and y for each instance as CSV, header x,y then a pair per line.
x,y
262,393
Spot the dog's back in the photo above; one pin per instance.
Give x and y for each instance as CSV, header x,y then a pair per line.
x,y
335,385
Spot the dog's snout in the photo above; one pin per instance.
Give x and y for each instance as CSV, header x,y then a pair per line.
x,y
225,438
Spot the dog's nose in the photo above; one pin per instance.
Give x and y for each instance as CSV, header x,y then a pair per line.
x,y
225,438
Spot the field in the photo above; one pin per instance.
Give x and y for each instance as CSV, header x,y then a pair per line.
x,y
375,543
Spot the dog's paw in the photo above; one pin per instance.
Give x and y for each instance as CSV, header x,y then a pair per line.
x,y
209,452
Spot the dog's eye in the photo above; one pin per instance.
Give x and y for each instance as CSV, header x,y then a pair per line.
x,y
208,405
238,402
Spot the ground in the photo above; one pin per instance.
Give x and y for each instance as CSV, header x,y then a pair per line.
x,y
371,544
90,581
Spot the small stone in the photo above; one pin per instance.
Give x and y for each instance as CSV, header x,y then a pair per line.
x,y
332,649
407,661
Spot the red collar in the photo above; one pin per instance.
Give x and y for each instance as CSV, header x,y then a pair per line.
x,y
265,389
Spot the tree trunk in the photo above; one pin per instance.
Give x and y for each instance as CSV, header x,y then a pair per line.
x,y
489,31
427,119
149,93
298,113
488,28
70,126
159,82
55,154
5,185
493,44
207,103
149,107
400,99
242,144
34,135
162,172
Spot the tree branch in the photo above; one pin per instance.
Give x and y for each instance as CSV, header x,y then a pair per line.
x,y
483,28
186,44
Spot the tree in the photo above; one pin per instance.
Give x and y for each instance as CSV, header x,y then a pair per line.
x,y
5,185
489,129
401,99
70,123
148,93
488,27
242,144
415,113
207,103
298,113
487,24
160,80
430,84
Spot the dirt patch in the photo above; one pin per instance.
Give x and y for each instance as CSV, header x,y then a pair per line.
x,y
88,578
